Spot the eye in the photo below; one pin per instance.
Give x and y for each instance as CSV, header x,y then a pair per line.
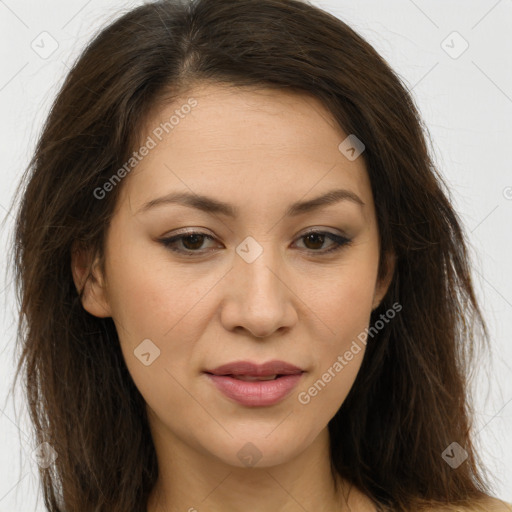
x,y
192,242
315,238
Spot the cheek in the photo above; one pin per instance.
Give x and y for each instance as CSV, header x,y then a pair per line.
x,y
345,303
158,311
338,356
148,294
156,332
345,308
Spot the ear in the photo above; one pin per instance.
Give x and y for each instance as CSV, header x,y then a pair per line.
x,y
383,284
87,276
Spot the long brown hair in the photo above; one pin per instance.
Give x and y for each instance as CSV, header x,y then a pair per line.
x,y
410,400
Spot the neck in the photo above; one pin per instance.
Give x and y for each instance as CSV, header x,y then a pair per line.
x,y
193,481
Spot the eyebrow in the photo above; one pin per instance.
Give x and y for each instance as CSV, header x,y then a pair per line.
x,y
214,206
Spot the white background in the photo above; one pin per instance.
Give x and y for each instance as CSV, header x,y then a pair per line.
x,y
466,103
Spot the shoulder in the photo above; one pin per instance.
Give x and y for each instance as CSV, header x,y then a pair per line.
x,y
488,504
495,505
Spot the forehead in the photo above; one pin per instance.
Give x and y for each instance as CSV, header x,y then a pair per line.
x,y
242,119
236,141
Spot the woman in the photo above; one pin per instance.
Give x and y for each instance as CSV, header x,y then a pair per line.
x,y
244,284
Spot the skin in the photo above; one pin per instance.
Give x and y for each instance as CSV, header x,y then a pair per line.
x,y
260,150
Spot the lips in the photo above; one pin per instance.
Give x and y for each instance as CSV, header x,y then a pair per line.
x,y
248,369
255,385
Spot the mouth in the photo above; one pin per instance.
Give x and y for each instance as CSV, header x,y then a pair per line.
x,y
255,385
266,371
250,378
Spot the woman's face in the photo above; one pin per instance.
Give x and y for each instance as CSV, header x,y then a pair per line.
x,y
260,289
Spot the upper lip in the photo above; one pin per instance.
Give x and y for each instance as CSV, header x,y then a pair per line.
x,y
249,368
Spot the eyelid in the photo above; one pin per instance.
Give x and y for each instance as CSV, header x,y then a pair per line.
x,y
340,241
307,231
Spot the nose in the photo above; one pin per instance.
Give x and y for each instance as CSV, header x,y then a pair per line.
x,y
258,297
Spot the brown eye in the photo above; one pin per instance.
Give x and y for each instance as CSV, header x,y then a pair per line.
x,y
314,240
191,244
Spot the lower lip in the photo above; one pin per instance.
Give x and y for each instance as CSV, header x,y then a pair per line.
x,y
256,393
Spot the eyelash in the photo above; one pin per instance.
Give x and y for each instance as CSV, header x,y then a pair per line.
x,y
339,241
